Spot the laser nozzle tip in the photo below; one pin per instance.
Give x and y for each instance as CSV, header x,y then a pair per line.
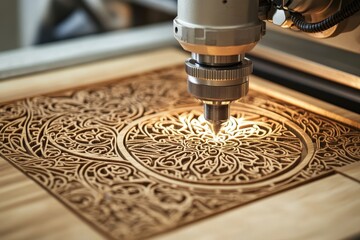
x,y
216,127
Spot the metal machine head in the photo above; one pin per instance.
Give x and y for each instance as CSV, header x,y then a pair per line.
x,y
218,34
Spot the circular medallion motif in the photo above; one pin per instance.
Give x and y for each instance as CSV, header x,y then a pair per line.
x,y
254,147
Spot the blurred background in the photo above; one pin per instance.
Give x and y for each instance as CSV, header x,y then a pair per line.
x,y
40,35
25,23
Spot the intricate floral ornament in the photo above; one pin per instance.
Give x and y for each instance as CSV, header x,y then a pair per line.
x,y
134,160
255,145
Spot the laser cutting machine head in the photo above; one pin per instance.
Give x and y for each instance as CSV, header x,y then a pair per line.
x,y
219,33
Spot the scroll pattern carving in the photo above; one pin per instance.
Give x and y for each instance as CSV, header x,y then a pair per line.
x,y
252,146
89,148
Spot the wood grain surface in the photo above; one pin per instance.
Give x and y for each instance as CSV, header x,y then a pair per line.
x,y
351,171
29,212
326,209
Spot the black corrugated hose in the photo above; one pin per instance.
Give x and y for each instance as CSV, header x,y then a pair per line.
x,y
327,23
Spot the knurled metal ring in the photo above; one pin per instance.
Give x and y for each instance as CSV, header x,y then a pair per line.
x,y
241,70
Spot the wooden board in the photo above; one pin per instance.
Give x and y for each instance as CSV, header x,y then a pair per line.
x,y
28,212
152,107
326,209
351,171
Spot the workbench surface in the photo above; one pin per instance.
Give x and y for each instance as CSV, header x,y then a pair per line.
x,y
326,207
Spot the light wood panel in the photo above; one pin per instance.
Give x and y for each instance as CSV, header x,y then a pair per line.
x,y
28,212
326,209
80,75
352,171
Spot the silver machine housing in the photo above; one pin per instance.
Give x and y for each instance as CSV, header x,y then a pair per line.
x,y
218,33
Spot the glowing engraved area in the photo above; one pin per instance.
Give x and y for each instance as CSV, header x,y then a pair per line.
x,y
180,145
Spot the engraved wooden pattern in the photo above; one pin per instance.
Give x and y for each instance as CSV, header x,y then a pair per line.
x,y
126,156
253,146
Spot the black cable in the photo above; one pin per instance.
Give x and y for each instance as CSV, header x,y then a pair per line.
x,y
327,23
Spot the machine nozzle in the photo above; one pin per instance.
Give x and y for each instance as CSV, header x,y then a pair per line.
x,y
216,127
216,114
217,81
218,72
